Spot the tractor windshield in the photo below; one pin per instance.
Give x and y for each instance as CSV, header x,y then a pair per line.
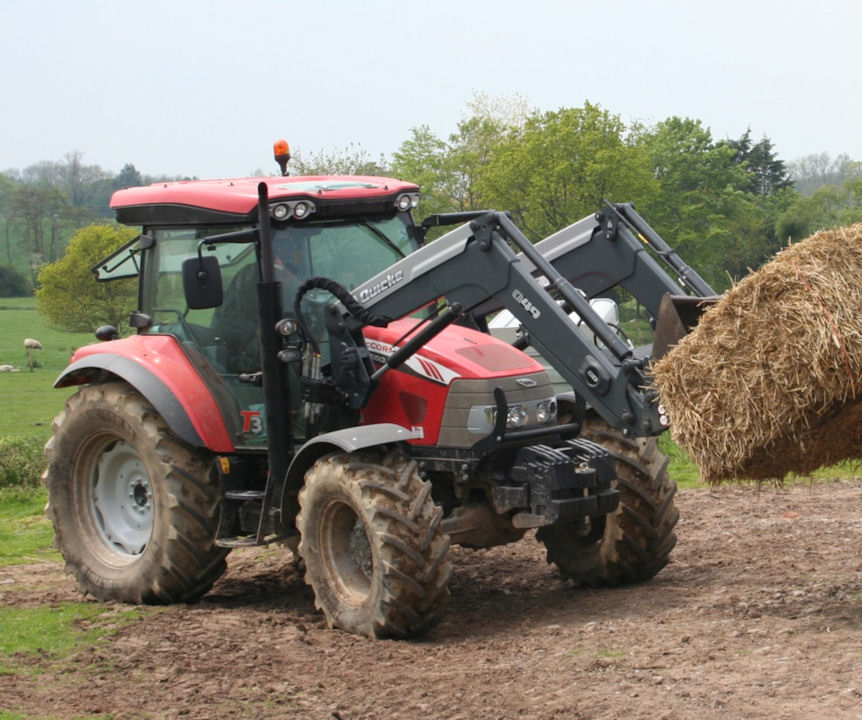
x,y
347,251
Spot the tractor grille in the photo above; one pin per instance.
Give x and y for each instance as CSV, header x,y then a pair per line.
x,y
464,421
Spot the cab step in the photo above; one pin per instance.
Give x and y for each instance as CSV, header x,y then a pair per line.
x,y
243,495
237,542
248,541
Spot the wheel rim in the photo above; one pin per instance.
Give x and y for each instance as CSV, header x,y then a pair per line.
x,y
346,553
121,500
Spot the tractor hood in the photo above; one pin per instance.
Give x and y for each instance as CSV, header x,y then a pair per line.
x,y
457,352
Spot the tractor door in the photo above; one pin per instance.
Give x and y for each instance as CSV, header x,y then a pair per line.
x,y
226,336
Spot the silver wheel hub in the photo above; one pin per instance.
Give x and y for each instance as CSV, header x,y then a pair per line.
x,y
346,552
122,500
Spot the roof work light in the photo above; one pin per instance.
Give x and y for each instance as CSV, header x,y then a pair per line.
x,y
281,150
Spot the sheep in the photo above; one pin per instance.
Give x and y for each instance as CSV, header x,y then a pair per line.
x,y
31,345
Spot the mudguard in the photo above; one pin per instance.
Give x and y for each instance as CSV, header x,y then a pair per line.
x,y
348,440
157,367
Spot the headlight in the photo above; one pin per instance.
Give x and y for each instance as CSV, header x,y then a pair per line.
x,y
481,419
281,211
517,416
296,209
546,412
406,201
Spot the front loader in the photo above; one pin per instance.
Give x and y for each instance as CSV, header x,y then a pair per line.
x,y
306,370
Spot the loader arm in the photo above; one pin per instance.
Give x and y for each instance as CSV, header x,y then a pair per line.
x,y
611,248
474,265
617,247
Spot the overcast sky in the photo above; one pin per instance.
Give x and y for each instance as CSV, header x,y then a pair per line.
x,y
203,87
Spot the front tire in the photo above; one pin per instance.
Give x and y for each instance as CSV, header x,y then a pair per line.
x,y
374,552
632,543
134,508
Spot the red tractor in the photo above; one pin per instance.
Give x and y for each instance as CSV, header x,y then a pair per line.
x,y
307,370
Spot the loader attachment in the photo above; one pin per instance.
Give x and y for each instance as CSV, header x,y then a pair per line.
x,y
677,315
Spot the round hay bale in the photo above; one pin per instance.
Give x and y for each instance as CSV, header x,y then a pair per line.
x,y
770,381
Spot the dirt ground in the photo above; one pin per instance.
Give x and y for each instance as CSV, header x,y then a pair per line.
x,y
759,615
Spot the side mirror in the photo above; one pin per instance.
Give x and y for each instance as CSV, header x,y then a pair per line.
x,y
202,282
106,333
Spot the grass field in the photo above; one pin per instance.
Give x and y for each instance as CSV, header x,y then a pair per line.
x,y
26,535
28,400
28,404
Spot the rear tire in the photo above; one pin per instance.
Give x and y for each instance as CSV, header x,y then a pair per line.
x,y
374,552
632,543
134,508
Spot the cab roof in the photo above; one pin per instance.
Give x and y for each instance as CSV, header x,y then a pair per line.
x,y
235,200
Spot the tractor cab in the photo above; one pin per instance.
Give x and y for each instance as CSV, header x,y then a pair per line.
x,y
200,261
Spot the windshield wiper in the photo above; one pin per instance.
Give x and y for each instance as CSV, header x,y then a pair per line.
x,y
383,238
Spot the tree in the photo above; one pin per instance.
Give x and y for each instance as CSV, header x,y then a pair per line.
x,y
471,150
68,295
13,283
481,134
812,172
698,185
41,206
7,187
44,171
127,177
767,174
716,203
830,206
32,206
561,166
449,172
99,195
422,159
77,179
352,160
510,111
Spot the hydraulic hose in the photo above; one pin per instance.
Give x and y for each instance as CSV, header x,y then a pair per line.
x,y
342,294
